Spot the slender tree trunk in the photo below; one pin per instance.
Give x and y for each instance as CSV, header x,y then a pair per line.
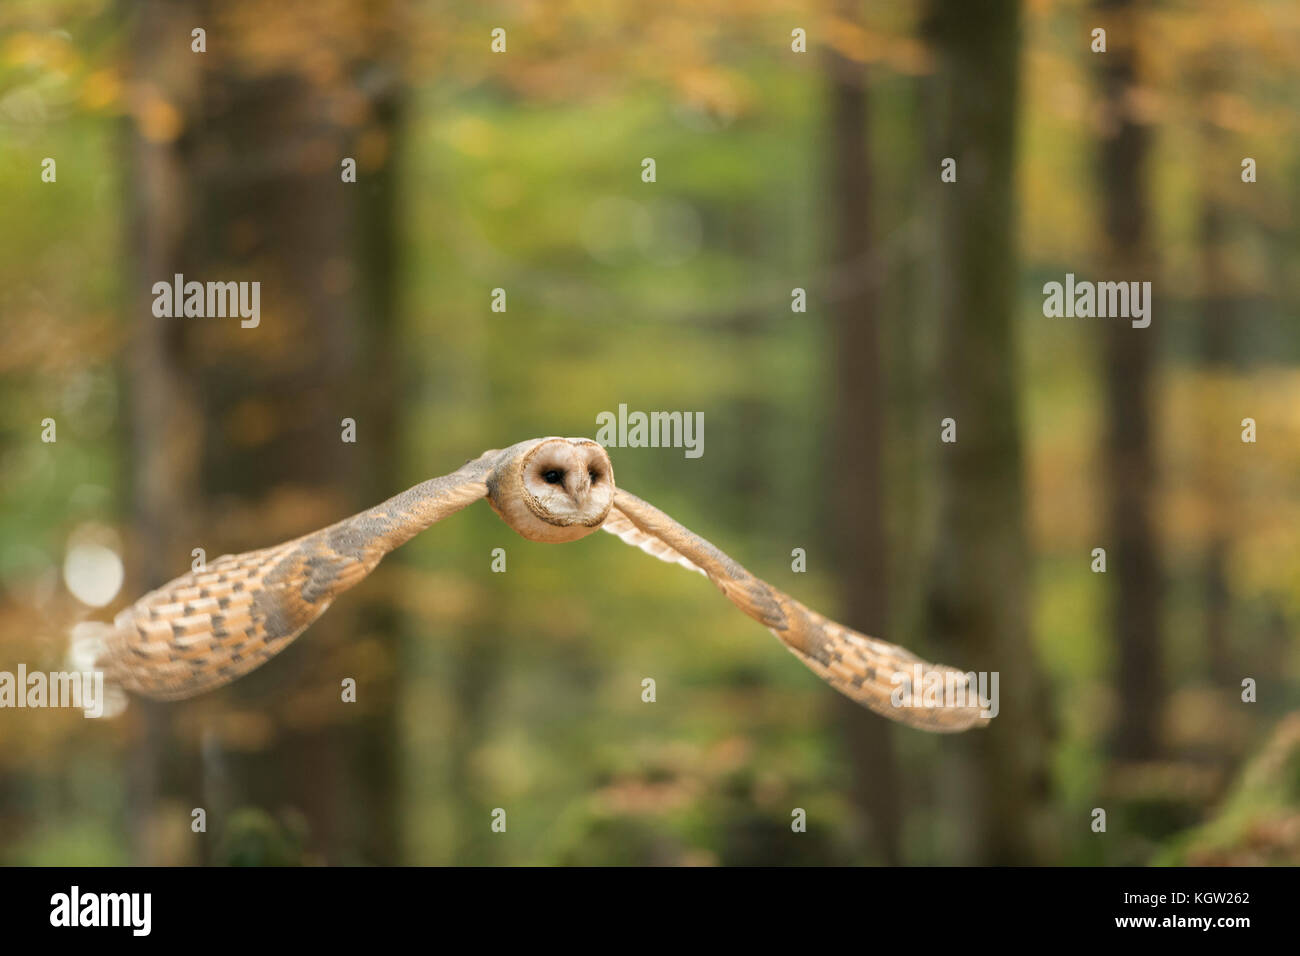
x,y
1216,349
1216,353
1129,457
858,534
238,431
979,597
162,409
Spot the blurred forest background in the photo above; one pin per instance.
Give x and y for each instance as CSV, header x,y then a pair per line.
x,y
776,170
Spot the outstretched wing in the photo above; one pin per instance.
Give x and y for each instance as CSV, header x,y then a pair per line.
x,y
207,628
866,669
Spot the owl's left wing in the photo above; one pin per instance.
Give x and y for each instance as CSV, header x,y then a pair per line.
x,y
868,670
211,626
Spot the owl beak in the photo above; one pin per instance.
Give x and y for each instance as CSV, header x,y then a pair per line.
x,y
581,485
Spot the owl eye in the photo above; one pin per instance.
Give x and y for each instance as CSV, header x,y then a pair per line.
x,y
553,477
593,475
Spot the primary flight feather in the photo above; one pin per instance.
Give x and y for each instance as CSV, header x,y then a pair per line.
x,y
208,628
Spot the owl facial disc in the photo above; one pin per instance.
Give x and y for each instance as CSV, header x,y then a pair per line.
x,y
566,485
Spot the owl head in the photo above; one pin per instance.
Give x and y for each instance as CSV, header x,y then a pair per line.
x,y
565,489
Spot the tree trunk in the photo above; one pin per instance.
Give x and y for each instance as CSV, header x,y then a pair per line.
x,y
237,431
858,534
1129,459
979,593
1217,347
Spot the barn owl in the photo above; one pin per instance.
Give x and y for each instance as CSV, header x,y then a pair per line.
x,y
209,627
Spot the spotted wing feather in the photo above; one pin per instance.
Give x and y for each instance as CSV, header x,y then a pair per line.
x,y
209,627
863,668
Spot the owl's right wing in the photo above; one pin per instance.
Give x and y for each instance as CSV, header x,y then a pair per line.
x,y
209,627
868,670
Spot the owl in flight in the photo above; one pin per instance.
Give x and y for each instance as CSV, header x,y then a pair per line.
x,y
209,627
